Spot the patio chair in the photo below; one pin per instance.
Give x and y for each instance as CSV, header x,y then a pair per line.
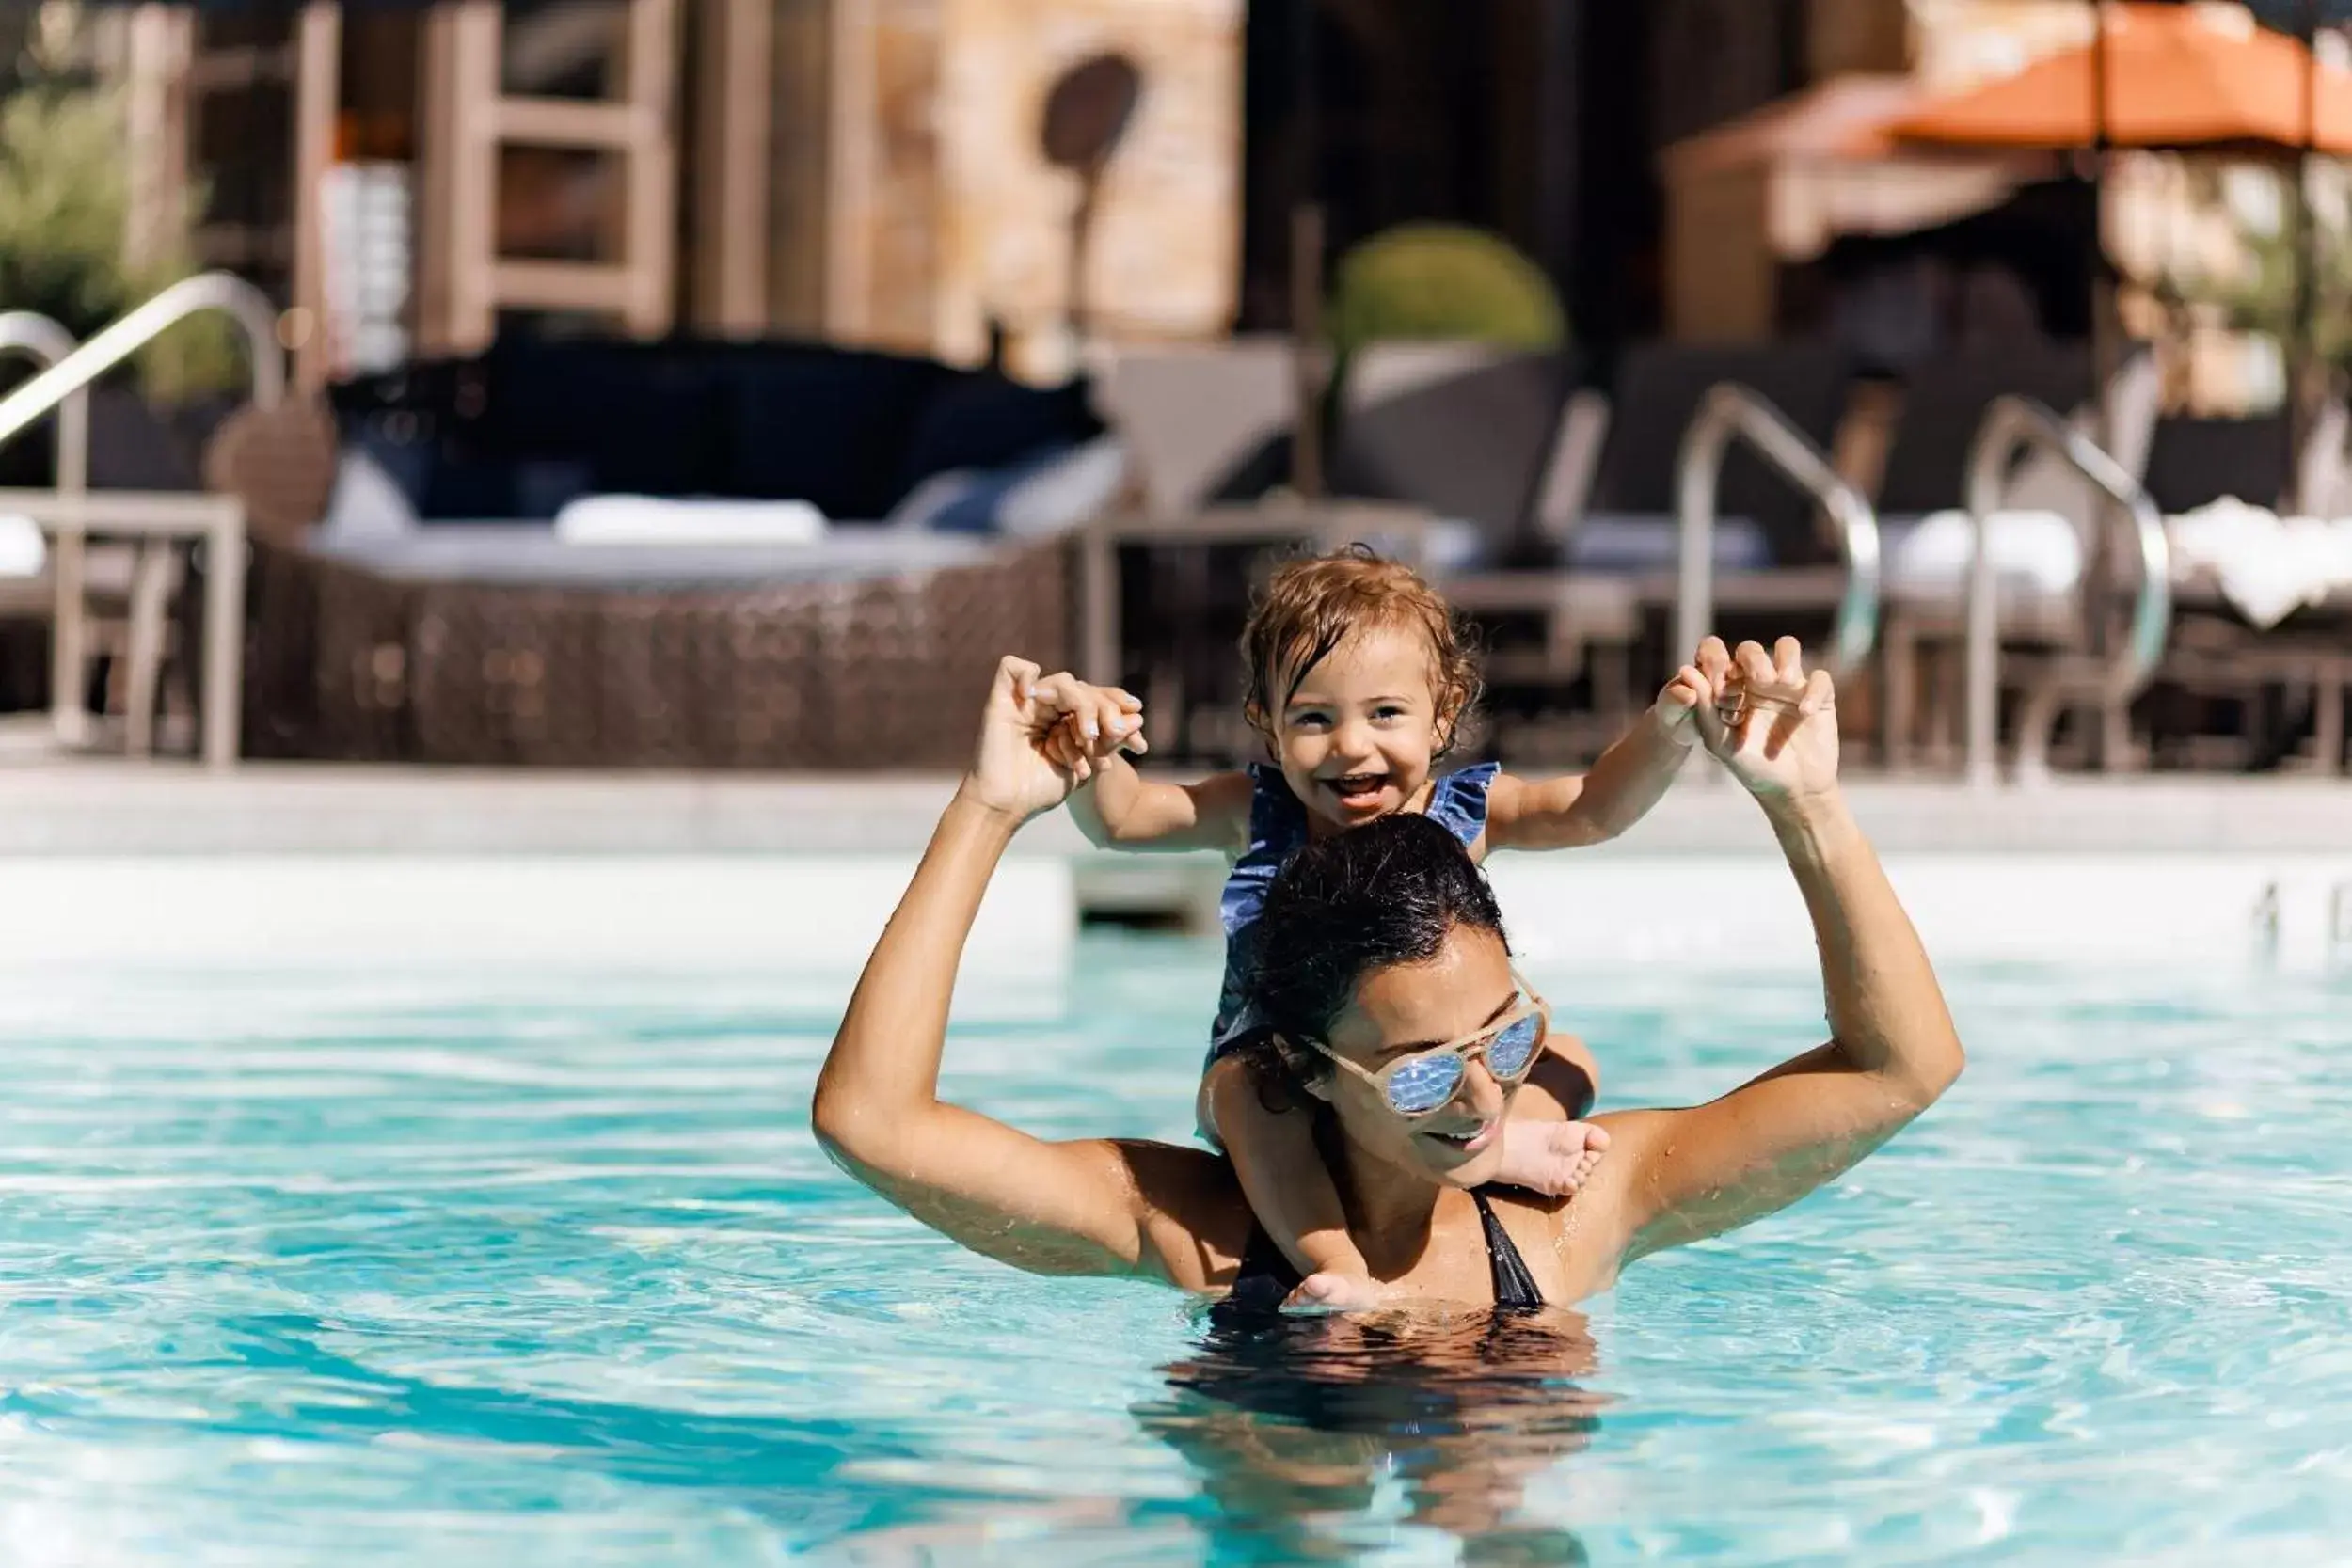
x,y
122,588
1192,414
2193,462
1460,429
1597,558
130,606
2288,678
2043,540
1204,427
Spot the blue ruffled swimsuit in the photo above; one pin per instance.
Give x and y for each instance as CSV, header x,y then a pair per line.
x,y
1278,825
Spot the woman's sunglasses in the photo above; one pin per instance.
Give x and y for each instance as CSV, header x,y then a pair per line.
x,y
1420,1083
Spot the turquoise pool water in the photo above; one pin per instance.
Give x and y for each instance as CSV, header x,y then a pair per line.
x,y
547,1270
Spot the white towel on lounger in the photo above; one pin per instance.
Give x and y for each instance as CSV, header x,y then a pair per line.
x,y
2267,566
2035,554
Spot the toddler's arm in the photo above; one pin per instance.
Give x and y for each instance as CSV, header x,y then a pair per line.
x,y
1120,809
1630,777
1288,1186
1115,806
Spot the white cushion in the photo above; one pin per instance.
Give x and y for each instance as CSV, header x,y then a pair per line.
x,y
365,503
1075,488
656,520
22,550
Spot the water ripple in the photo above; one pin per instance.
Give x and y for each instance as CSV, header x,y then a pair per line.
x,y
517,1270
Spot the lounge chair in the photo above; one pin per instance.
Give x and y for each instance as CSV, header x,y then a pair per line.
x,y
504,643
1596,560
1460,430
123,590
411,627
1205,429
2286,673
2046,540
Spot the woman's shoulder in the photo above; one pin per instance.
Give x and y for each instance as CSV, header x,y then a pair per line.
x,y
1566,1242
1197,1223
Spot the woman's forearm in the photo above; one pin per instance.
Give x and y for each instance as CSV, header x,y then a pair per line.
x,y
885,1063
1886,1011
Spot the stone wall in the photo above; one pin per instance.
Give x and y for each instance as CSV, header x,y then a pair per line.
x,y
945,213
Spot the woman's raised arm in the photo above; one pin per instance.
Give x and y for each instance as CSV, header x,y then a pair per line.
x,y
1892,1049
1089,1207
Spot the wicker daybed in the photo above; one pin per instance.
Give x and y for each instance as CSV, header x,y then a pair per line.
x,y
469,632
850,669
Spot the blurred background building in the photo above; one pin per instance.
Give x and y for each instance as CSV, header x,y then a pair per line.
x,y
879,256
872,171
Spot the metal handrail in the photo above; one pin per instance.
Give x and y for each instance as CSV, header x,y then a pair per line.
x,y
44,342
210,290
1731,410
2010,423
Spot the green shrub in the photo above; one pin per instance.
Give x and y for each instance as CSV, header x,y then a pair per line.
x,y
1442,280
64,198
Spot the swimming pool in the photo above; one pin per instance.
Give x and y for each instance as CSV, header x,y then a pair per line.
x,y
312,1266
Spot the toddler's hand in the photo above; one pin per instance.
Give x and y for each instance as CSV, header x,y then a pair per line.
x,y
1676,707
1335,1293
1094,722
1693,685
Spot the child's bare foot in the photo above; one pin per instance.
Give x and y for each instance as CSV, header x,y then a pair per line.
x,y
1334,1293
1555,1158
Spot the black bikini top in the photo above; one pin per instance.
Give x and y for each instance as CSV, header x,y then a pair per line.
x,y
1267,1278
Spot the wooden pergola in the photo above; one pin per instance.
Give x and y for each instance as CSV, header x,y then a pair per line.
x,y
464,118
866,170
170,76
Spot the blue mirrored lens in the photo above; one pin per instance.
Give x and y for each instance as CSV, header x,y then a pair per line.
x,y
1425,1083
1515,1048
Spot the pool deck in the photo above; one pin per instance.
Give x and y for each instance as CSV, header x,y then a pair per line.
x,y
112,807
114,862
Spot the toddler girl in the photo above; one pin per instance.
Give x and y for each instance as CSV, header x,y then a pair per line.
x,y
1360,679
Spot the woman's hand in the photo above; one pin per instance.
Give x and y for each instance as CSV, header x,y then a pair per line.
x,y
1034,747
1769,721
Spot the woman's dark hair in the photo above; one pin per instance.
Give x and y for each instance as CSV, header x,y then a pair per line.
x,y
1387,893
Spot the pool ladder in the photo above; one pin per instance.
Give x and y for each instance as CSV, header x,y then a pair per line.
x,y
2298,926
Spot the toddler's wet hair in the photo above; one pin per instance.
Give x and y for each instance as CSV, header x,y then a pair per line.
x,y
1315,604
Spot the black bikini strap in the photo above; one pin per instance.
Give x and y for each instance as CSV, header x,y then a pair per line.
x,y
1515,1287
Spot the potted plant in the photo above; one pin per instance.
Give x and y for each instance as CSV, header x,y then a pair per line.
x,y
65,204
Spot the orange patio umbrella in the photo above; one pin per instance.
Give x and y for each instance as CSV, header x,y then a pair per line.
x,y
2182,78
2175,77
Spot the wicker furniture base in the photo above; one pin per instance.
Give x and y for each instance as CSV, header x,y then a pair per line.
x,y
874,672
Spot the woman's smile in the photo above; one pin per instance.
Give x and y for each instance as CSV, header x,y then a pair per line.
x,y
1469,1140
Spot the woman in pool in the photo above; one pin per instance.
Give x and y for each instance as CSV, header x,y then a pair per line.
x,y
1383,968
